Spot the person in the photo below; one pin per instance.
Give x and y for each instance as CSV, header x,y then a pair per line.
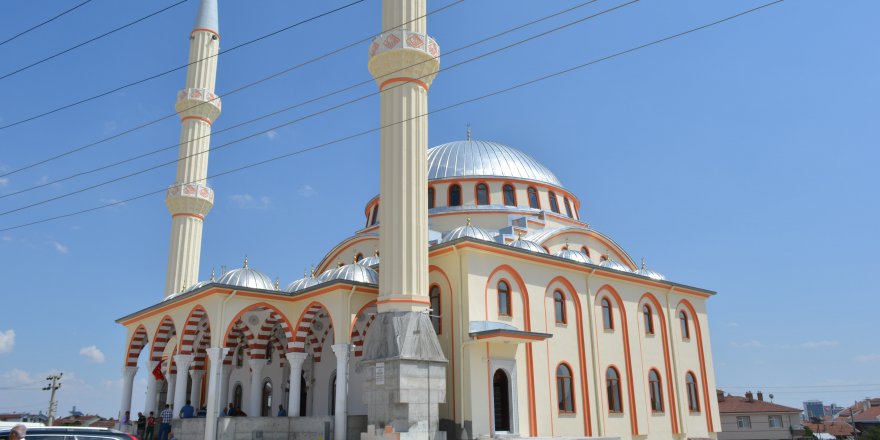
x,y
125,423
171,436
151,426
187,412
203,411
230,412
141,425
165,425
18,432
239,412
281,411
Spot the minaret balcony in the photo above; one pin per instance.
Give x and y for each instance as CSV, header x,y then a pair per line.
x,y
198,103
189,198
404,54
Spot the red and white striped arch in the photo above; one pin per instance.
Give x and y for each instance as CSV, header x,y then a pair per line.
x,y
164,333
135,346
267,331
196,326
362,323
238,330
314,312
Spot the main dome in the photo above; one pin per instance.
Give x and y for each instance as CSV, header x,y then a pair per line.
x,y
484,158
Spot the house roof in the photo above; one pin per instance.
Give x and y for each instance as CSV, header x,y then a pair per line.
x,y
739,404
837,428
872,414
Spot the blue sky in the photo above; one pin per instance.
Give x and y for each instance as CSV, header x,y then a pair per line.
x,y
740,159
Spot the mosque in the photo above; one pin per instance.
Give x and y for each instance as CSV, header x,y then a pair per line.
x,y
474,301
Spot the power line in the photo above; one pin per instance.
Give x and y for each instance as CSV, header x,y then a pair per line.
x,y
774,387
236,90
294,106
91,40
320,112
161,74
43,23
449,107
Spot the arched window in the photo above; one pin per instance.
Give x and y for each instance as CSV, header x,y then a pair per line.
x,y
554,204
504,307
585,251
431,197
239,356
533,198
567,207
693,398
434,295
509,195
237,396
482,194
559,306
612,386
656,391
358,257
266,399
375,217
685,328
564,389
607,316
454,195
649,319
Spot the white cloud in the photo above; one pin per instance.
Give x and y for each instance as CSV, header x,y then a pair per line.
x,y
272,135
867,358
16,377
307,191
93,354
247,201
820,344
748,344
7,238
62,249
7,341
4,181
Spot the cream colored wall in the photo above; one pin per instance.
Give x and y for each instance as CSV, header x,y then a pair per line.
x,y
760,429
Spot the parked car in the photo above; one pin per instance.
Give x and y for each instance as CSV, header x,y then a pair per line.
x,y
70,433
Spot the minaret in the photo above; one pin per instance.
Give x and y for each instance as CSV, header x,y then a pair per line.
x,y
402,346
190,199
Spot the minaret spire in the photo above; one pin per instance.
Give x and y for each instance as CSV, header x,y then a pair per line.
x,y
190,199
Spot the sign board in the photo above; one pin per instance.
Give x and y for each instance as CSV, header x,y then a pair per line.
x,y
380,373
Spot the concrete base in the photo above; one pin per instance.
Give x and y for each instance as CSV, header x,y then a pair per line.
x,y
257,428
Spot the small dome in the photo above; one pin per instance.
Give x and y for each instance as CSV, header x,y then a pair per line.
x,y
528,245
352,272
247,277
370,261
611,264
199,285
468,231
645,272
569,254
303,283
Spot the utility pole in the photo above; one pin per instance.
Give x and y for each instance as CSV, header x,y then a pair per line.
x,y
53,406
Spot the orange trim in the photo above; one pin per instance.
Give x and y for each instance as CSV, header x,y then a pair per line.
x,y
405,300
573,399
261,304
172,306
432,197
189,215
673,405
361,311
489,391
205,30
511,335
477,194
498,292
198,118
442,251
527,183
503,199
402,79
334,255
449,195
699,336
619,390
530,373
156,336
451,329
136,335
186,322
634,422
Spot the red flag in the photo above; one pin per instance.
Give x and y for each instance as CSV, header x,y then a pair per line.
x,y
157,372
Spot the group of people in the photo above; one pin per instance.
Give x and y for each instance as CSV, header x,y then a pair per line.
x,y
146,425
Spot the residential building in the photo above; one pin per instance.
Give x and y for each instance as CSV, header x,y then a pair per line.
x,y
750,417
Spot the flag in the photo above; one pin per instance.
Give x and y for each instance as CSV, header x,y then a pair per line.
x,y
157,372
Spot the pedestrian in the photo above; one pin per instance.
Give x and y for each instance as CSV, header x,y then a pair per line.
x,y
187,412
281,411
239,412
125,423
151,427
230,411
171,436
203,411
165,422
18,432
141,425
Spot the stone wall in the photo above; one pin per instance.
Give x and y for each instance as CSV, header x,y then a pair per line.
x,y
258,428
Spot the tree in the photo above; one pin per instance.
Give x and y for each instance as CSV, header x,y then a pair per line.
x,y
872,433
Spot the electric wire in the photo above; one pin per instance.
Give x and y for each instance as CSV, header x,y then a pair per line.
x,y
317,113
161,74
44,23
442,109
91,40
236,90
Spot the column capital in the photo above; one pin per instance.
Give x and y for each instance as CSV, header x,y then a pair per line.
x,y
183,361
296,357
196,373
341,350
216,354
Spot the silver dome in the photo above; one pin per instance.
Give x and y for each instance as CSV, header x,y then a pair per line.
x,y
467,231
369,261
247,277
353,272
528,245
569,254
302,283
483,158
611,264
645,272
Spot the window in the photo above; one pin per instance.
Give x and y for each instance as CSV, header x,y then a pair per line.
x,y
656,391
649,320
509,195
554,204
564,389
685,328
693,398
504,299
375,217
567,207
559,307
607,318
533,198
266,402
333,395
482,194
775,421
434,295
431,198
455,195
612,386
744,422
237,396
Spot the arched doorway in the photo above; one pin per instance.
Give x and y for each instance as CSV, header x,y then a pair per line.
x,y
237,396
501,401
266,399
303,396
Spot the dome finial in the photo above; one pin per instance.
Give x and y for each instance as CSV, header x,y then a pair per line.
x,y
469,131
519,235
313,271
212,274
376,252
339,263
566,243
468,222
245,261
277,281
643,262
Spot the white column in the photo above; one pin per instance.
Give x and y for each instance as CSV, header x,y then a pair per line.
x,y
128,374
296,368
215,381
224,386
341,351
150,401
256,386
183,361
195,394
172,387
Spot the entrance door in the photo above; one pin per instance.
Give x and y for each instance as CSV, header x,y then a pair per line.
x,y
501,401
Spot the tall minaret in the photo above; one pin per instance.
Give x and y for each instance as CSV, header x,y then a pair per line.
x,y
402,343
190,199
